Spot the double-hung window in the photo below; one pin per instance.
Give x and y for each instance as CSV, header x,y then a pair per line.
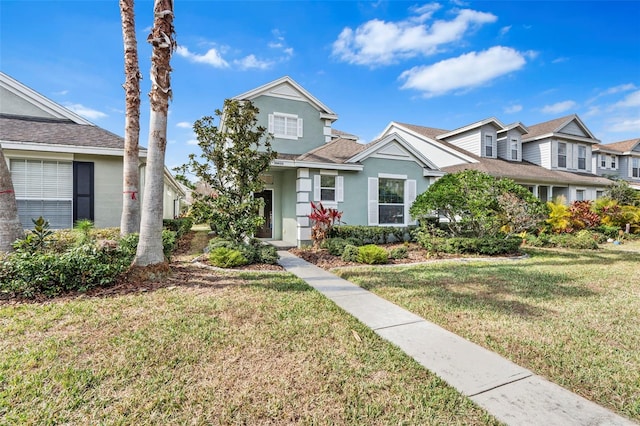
x,y
635,167
562,154
580,194
582,157
43,188
390,197
488,146
285,126
328,187
514,149
613,161
603,161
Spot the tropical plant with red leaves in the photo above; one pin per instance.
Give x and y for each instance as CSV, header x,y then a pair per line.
x,y
323,220
583,215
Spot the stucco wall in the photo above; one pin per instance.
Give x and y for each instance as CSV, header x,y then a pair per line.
x,y
107,189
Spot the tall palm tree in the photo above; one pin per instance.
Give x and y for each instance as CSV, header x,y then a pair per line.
x,y
130,220
10,227
162,39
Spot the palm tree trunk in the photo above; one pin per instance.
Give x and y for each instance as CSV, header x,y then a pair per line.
x,y
10,227
130,220
162,38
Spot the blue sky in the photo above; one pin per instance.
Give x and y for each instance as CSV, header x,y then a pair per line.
x,y
444,64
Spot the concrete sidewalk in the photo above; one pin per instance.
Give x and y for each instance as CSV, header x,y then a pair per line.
x,y
513,394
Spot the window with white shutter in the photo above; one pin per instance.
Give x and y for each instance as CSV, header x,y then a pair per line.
x,y
43,188
390,199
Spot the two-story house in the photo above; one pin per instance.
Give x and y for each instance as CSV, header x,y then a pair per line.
x,y
63,167
551,159
619,160
372,184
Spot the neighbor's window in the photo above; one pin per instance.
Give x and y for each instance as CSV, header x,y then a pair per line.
x,y
613,161
580,194
562,154
287,126
603,161
635,167
390,201
327,188
582,157
514,149
43,188
488,146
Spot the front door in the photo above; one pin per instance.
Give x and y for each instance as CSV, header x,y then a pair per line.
x,y
266,231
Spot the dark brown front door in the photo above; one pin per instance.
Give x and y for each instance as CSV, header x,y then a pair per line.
x,y
266,231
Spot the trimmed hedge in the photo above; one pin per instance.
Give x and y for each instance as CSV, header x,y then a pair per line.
x,y
372,234
459,245
254,251
180,225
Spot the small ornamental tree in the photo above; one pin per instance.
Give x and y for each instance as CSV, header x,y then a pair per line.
x,y
621,192
479,205
234,155
323,220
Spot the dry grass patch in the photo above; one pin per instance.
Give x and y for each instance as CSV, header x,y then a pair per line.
x,y
571,316
250,349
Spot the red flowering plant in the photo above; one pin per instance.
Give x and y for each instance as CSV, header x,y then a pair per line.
x,y
323,220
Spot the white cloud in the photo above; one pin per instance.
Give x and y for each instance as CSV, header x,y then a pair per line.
x,y
379,42
184,125
625,125
558,107
619,88
212,57
560,60
505,30
469,70
192,142
86,112
631,100
512,109
251,62
61,93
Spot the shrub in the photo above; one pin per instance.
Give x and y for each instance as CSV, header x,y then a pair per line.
x,y
255,251
168,242
224,257
372,234
372,255
180,226
350,253
83,229
581,240
268,254
323,220
399,253
608,231
335,246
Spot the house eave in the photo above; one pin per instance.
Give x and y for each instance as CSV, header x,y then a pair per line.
x,y
294,164
497,123
68,149
561,136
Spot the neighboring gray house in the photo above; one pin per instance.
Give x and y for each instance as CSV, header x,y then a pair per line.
x,y
373,184
551,159
63,167
619,160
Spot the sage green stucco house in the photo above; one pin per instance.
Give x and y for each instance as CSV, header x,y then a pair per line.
x,y
373,184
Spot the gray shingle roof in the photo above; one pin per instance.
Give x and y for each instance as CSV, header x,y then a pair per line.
x,y
337,151
56,132
546,127
622,146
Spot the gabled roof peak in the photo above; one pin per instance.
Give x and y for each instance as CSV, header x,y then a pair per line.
x,y
287,88
491,120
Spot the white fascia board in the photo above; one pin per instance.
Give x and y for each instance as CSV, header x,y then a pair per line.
x,y
433,173
37,146
562,136
516,125
471,126
434,142
313,165
173,181
388,139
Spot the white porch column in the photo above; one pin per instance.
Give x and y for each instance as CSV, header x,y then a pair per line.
x,y
303,207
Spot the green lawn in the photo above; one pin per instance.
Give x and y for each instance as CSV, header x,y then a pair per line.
x,y
236,349
570,316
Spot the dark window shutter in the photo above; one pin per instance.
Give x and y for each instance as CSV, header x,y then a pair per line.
x,y
83,196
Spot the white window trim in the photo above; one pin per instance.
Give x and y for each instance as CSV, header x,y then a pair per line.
x,y
492,145
410,193
299,125
339,188
566,155
578,157
516,142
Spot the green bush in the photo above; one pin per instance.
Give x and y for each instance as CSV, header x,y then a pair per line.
x,y
255,251
268,254
224,257
350,253
608,231
335,246
399,253
372,234
485,246
180,225
582,240
372,255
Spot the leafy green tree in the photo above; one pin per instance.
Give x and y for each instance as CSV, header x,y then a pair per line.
x,y
621,192
234,155
479,205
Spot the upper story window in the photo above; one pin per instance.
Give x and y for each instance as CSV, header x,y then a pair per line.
x,y
488,146
562,154
582,157
635,167
613,161
603,161
285,126
514,148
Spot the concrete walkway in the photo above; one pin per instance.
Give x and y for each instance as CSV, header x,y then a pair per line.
x,y
514,395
